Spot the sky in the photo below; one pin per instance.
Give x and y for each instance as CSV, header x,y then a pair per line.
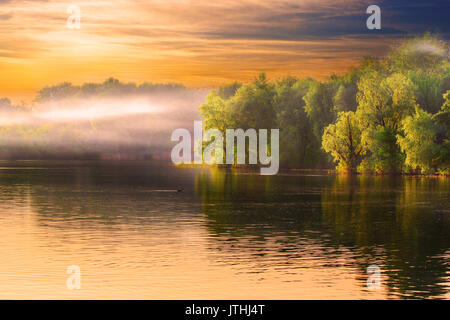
x,y
199,43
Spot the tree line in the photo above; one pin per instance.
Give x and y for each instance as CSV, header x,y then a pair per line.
x,y
106,120
388,115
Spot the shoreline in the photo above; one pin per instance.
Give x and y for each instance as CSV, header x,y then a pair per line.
x,y
207,166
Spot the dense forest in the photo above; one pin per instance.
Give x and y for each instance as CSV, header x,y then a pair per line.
x,y
388,115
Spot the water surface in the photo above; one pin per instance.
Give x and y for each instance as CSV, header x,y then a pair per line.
x,y
151,231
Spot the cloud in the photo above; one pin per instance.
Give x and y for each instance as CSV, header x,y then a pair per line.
x,y
200,42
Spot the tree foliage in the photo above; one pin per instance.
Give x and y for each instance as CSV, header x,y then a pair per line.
x,y
343,140
419,141
385,116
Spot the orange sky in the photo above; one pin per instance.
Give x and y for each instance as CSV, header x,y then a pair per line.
x,y
199,43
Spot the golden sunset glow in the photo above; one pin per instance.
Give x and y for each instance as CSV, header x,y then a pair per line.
x,y
197,43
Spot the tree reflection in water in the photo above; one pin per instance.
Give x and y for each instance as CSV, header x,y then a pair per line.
x,y
398,223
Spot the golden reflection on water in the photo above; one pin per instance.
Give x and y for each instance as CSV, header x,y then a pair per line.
x,y
228,235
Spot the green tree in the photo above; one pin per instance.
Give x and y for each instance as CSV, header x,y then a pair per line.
x,y
60,91
429,88
442,119
418,141
227,91
343,141
384,101
319,107
215,112
252,107
300,148
235,106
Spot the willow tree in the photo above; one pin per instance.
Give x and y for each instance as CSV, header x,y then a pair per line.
x,y
418,141
240,106
425,139
442,119
343,141
252,105
383,102
319,106
299,146
216,112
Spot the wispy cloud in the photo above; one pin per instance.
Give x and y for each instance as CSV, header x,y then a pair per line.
x,y
199,42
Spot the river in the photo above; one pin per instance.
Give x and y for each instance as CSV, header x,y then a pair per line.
x,y
140,230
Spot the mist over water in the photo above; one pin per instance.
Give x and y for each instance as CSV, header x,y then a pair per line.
x,y
113,125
